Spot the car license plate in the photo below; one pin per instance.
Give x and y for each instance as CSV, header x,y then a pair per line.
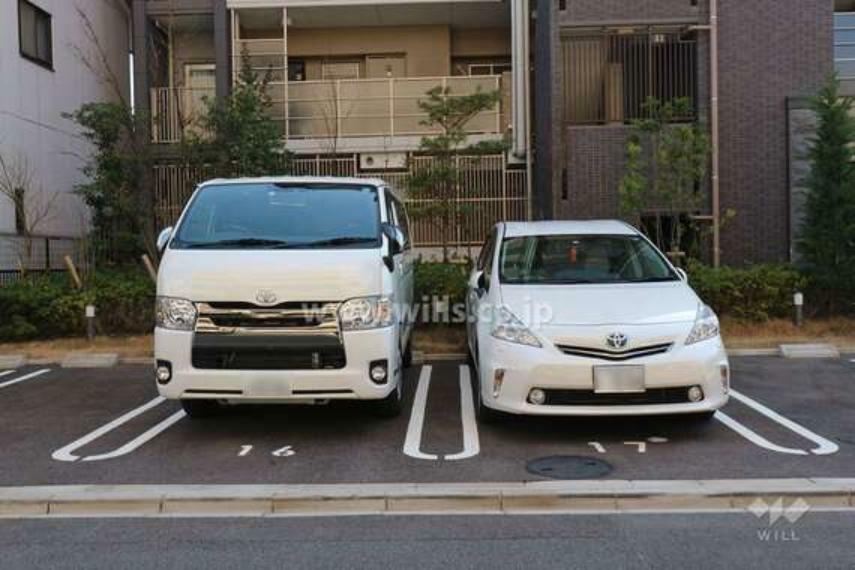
x,y
618,379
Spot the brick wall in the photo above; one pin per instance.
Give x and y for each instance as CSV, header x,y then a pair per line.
x,y
769,51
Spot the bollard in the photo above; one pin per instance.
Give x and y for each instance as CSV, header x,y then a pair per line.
x,y
798,303
90,321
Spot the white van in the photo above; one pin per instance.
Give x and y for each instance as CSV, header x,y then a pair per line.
x,y
287,289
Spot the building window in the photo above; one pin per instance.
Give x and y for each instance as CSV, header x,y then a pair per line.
x,y
610,75
844,44
34,34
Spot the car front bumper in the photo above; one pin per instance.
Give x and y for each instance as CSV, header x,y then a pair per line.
x,y
525,368
350,382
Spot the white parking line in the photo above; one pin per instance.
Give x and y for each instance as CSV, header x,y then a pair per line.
x,y
471,444
24,377
140,439
65,453
824,446
6,373
413,441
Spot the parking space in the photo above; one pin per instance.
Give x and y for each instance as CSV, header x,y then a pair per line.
x,y
108,426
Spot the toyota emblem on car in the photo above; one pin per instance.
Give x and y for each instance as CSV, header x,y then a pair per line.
x,y
265,297
617,340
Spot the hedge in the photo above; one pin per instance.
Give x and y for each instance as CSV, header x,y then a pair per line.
x,y
49,307
440,280
755,293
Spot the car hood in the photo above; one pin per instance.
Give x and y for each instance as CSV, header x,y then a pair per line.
x,y
628,304
292,275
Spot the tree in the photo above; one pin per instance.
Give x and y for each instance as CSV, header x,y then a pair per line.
x,y
118,189
435,187
237,136
33,205
666,163
827,240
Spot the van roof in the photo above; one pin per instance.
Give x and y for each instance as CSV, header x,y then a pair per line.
x,y
569,227
297,180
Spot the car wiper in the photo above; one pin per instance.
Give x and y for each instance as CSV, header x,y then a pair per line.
x,y
242,242
652,280
328,242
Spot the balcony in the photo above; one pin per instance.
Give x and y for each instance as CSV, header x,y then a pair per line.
x,y
325,112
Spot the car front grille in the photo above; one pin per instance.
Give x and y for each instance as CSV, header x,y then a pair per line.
x,y
267,352
288,336
612,355
652,396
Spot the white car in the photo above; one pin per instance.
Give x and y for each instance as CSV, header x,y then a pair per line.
x,y
588,318
285,290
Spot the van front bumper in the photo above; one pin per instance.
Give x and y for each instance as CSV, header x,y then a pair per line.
x,y
353,381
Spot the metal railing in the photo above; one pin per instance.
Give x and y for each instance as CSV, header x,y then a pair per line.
x,y
333,109
175,111
36,255
492,190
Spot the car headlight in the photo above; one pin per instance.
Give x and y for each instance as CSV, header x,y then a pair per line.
x,y
366,313
508,327
705,327
175,314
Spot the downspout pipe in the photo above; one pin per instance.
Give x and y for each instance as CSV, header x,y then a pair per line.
x,y
714,133
519,67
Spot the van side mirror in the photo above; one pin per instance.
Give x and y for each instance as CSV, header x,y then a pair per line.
x,y
682,274
481,284
163,239
395,237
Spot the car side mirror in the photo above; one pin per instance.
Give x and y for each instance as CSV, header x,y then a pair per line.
x,y
163,239
481,282
682,274
396,238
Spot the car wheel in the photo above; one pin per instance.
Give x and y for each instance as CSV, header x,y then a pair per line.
x,y
200,408
407,353
392,405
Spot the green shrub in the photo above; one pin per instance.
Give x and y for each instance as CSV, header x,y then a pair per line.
x,y
49,307
756,293
440,280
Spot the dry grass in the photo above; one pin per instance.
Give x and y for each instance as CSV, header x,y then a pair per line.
x,y
452,339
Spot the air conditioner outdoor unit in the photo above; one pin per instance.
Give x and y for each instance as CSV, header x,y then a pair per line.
x,y
383,161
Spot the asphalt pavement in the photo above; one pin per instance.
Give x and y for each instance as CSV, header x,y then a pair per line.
x,y
789,418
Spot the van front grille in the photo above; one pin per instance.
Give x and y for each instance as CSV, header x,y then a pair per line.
x,y
300,318
267,352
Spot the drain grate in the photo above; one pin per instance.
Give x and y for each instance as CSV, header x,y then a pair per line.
x,y
568,467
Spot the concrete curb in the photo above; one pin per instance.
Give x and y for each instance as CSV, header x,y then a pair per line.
x,y
539,497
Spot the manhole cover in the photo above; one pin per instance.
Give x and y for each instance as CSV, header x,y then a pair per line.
x,y
569,467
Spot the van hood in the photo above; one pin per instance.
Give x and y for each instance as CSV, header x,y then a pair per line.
x,y
292,275
618,304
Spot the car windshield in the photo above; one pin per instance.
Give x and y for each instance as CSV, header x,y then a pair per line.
x,y
578,259
281,216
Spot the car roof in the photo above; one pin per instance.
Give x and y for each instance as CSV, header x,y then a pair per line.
x,y
297,180
569,227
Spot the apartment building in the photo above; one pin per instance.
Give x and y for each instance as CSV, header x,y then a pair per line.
x,y
346,77
747,67
40,57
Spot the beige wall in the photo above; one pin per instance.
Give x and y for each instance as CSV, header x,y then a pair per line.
x,y
191,47
427,48
481,42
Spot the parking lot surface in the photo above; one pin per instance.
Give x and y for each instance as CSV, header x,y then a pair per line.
x,y
788,418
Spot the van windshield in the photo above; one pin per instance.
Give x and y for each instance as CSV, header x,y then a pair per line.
x,y
569,259
281,216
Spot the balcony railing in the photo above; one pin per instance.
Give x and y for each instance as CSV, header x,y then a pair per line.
x,y
333,109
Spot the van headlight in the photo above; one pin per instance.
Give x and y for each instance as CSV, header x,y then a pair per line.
x,y
705,327
366,313
508,327
175,314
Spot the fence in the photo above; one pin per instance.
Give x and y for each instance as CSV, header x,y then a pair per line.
x,y
491,189
36,255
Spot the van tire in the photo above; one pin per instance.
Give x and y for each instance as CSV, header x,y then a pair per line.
x,y
196,409
392,405
701,417
407,353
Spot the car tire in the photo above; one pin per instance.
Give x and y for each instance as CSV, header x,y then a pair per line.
x,y
407,353
196,409
702,417
392,405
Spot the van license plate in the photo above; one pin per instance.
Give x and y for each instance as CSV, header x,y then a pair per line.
x,y
618,379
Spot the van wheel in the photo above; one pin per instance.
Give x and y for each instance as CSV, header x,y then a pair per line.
x,y
390,406
200,408
407,354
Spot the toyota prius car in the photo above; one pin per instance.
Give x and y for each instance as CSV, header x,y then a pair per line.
x,y
589,318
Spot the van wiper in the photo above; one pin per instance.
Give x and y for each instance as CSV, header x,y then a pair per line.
x,y
242,242
652,280
327,242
